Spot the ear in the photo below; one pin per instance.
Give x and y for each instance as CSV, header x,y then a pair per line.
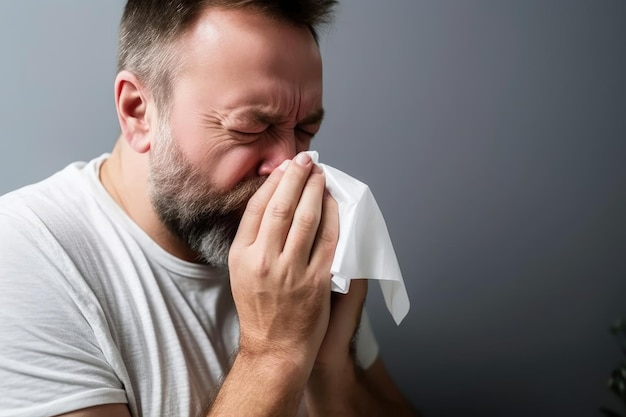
x,y
136,111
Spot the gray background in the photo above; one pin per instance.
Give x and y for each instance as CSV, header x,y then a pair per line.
x,y
493,134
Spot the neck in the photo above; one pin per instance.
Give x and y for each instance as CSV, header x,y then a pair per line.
x,y
125,177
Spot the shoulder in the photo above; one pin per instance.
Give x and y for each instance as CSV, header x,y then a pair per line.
x,y
59,206
46,235
53,190
53,194
49,314
31,254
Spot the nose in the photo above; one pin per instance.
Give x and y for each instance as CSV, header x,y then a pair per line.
x,y
276,151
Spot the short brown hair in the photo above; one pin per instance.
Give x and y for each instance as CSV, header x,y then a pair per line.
x,y
149,28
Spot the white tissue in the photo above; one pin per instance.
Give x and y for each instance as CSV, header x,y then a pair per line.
x,y
364,249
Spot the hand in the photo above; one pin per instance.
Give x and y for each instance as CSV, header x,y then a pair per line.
x,y
334,387
280,264
345,316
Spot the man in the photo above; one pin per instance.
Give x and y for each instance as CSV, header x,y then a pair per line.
x,y
187,273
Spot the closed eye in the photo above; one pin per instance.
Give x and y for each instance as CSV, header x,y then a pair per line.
x,y
245,137
239,132
250,131
304,131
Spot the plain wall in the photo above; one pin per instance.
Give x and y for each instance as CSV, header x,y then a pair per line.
x,y
493,135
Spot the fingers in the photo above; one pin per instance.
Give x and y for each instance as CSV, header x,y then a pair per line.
x,y
327,235
281,207
355,298
255,209
306,219
292,214
348,307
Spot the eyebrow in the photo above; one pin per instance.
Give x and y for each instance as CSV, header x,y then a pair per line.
x,y
316,117
269,118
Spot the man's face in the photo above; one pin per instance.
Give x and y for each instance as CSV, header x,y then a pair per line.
x,y
249,96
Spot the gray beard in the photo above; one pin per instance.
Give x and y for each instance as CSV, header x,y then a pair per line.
x,y
202,216
207,233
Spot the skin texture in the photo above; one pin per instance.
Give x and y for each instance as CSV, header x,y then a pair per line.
x,y
235,117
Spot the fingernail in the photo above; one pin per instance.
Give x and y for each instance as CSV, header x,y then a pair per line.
x,y
317,169
303,158
284,165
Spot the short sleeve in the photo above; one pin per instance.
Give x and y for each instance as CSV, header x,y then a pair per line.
x,y
366,346
50,362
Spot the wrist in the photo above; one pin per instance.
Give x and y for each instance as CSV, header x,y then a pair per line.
x,y
280,364
339,359
295,356
332,392
260,384
332,380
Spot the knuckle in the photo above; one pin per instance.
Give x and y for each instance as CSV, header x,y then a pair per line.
x,y
280,210
263,267
234,258
331,204
317,180
307,220
327,237
249,263
255,206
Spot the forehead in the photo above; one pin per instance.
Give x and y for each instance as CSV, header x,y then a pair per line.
x,y
243,57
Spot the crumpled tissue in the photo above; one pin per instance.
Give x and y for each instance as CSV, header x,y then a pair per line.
x,y
364,248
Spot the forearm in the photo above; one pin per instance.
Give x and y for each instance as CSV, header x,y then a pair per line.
x,y
345,392
260,386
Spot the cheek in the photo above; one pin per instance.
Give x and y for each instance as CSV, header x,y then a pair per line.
x,y
222,160
192,141
239,163
303,145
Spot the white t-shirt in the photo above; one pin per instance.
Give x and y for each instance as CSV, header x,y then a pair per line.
x,y
93,311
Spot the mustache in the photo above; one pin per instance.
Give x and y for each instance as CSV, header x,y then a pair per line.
x,y
207,205
190,205
237,199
